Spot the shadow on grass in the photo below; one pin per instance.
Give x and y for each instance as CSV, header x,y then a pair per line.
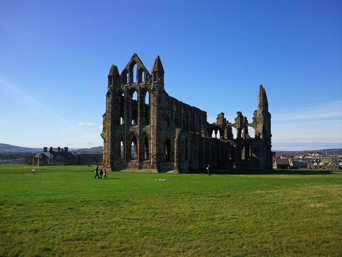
x,y
106,178
273,172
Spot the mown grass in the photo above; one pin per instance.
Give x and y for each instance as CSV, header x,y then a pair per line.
x,y
63,211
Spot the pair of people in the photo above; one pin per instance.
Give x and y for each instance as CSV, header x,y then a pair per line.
x,y
99,175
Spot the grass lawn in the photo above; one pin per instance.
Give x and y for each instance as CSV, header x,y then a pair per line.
x,y
63,211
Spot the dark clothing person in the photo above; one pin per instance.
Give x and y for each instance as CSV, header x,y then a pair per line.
x,y
97,172
105,174
208,169
101,173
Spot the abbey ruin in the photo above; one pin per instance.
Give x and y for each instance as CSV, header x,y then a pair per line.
x,y
145,129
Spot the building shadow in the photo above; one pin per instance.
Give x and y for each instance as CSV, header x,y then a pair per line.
x,y
274,172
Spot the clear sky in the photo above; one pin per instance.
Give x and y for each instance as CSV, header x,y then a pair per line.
x,y
55,57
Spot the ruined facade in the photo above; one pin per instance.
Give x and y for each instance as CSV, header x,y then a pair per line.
x,y
146,129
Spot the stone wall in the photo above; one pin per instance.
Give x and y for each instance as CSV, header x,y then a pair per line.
x,y
146,129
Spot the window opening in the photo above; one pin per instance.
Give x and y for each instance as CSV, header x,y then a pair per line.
x,y
134,107
122,149
134,148
147,108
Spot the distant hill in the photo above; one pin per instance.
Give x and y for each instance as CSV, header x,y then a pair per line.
x,y
335,151
92,150
5,148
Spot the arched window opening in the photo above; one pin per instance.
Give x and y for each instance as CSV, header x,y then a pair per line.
x,y
134,108
135,74
134,148
234,132
124,77
167,150
213,135
218,134
245,134
122,149
132,73
246,153
142,76
122,104
146,152
251,132
147,108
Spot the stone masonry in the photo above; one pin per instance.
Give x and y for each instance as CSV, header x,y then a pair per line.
x,y
145,129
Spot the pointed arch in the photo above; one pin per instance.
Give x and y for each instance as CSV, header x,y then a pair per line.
x,y
121,101
141,76
134,147
134,107
251,132
131,67
124,77
122,148
145,107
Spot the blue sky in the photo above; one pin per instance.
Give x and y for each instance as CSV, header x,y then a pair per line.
x,y
55,57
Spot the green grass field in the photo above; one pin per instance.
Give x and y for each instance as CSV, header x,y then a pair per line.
x,y
63,211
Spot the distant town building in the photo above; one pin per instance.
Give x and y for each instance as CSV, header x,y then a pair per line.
x,y
56,157
326,163
282,164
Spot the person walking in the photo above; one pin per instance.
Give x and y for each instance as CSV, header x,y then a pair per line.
x,y
105,173
97,172
208,169
101,173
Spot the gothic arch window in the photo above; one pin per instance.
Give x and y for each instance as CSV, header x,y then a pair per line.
x,y
122,149
132,67
218,134
147,108
234,133
167,150
134,108
121,100
134,150
251,132
246,153
125,77
141,75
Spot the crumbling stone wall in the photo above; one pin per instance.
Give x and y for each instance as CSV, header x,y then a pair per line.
x,y
145,129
